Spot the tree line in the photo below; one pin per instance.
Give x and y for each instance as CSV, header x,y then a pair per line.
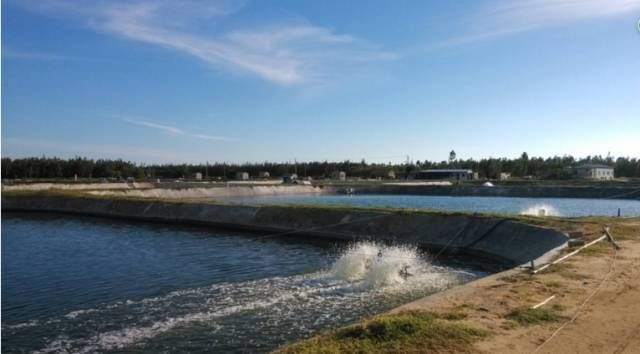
x,y
557,167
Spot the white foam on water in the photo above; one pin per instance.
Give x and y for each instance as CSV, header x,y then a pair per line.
x,y
394,266
376,266
364,277
535,210
119,339
74,314
27,324
355,261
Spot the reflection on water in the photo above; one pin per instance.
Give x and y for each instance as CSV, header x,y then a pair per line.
x,y
89,285
501,205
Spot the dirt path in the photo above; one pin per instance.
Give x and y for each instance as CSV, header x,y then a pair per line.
x,y
608,323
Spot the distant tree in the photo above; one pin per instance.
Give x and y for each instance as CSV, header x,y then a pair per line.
x,y
452,156
525,161
556,167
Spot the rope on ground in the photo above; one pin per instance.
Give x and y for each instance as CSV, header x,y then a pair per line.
x,y
612,267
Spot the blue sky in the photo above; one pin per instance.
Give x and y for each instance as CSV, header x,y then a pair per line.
x,y
236,81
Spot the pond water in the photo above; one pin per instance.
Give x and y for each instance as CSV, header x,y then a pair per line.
x,y
502,205
85,285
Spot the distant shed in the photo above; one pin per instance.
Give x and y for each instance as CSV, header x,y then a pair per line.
x,y
457,174
339,175
290,178
242,176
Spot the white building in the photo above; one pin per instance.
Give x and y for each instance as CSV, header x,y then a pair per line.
x,y
339,175
242,176
594,171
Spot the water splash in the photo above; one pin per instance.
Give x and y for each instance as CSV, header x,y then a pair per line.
x,y
355,260
377,265
395,266
366,278
535,210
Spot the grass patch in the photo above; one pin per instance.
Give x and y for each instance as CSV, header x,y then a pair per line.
x,y
453,316
528,316
513,278
568,271
553,284
598,249
399,333
622,232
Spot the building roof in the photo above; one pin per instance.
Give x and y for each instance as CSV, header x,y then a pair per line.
x,y
594,165
446,170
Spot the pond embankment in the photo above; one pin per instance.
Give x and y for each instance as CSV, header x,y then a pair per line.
x,y
218,191
525,191
502,239
45,186
275,187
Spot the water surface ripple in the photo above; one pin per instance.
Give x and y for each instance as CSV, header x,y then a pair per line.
x,y
501,205
84,285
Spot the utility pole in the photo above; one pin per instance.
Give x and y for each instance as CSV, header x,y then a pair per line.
x,y
206,170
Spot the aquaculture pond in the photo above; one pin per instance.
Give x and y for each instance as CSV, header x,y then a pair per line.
x,y
85,285
502,205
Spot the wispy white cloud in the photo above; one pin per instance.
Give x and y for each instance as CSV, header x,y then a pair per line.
x,y
212,137
166,128
504,18
172,130
528,14
285,54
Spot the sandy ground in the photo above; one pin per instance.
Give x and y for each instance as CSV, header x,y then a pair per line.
x,y
213,192
75,186
609,322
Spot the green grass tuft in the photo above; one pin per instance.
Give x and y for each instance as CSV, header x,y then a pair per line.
x,y
405,332
528,316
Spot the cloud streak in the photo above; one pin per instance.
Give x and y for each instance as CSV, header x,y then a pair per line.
x,y
284,54
166,128
528,14
172,130
512,17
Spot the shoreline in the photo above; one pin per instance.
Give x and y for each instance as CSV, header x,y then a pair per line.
x,y
591,304
497,305
257,188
